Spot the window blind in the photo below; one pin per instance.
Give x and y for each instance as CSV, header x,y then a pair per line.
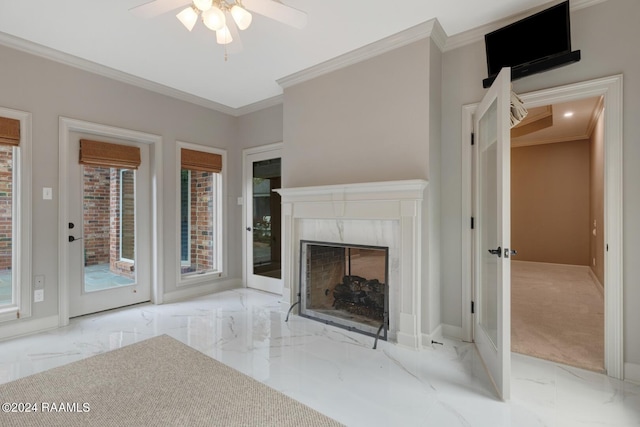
x,y
200,161
109,155
9,131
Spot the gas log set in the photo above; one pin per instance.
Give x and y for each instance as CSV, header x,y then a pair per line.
x,y
360,296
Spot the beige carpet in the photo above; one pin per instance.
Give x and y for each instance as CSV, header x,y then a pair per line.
x,y
157,382
557,314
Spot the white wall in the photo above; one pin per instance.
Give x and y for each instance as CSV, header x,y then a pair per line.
x,y
607,35
48,90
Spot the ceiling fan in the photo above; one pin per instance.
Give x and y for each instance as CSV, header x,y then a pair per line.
x,y
225,17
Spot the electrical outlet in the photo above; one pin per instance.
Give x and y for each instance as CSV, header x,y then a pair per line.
x,y
38,295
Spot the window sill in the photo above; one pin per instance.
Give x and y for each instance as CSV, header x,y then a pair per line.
x,y
199,278
9,313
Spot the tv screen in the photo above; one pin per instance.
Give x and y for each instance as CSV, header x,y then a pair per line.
x,y
539,36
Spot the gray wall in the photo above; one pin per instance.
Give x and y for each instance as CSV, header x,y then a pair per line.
x,y
363,123
607,35
48,90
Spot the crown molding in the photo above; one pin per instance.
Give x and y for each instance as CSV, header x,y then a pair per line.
x,y
260,105
477,34
395,41
92,67
597,112
515,144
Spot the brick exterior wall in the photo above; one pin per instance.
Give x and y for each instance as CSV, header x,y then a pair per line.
x,y
101,222
96,201
202,228
6,206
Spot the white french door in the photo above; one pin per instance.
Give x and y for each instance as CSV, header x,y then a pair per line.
x,y
109,232
263,243
492,321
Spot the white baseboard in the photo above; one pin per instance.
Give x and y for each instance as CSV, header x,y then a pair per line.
x,y
28,326
201,290
436,335
632,372
453,332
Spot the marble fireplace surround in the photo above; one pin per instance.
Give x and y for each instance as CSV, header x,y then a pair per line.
x,y
387,214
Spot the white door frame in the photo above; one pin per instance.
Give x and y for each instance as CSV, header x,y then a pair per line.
x,y
611,89
276,148
66,126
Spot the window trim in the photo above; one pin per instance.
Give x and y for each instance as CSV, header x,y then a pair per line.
x,y
219,206
187,262
21,233
120,213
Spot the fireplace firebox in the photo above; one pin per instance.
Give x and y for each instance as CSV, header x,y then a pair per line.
x,y
345,285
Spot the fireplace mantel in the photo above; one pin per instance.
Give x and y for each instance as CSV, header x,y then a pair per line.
x,y
375,213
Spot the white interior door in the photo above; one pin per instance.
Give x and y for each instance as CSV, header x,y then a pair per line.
x,y
109,233
262,222
492,322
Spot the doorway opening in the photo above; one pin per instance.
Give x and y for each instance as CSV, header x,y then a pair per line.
x,y
610,88
262,171
557,214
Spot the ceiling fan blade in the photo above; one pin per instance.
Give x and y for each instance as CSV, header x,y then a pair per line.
x,y
236,45
278,11
154,8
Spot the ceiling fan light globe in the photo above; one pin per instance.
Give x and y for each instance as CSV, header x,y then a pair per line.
x,y
223,35
213,19
203,5
241,16
188,17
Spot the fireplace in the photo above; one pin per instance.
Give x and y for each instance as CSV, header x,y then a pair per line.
x,y
345,285
376,215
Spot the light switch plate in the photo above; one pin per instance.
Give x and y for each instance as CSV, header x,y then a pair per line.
x,y
38,295
47,193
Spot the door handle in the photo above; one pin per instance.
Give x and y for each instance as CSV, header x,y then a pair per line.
x,y
73,239
496,251
248,228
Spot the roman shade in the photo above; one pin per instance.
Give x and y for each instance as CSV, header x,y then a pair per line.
x,y
200,161
9,131
104,154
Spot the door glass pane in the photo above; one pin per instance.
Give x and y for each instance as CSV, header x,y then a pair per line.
x,y
108,228
488,315
6,224
266,219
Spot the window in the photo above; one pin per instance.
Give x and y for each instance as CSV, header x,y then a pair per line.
x,y
15,215
200,211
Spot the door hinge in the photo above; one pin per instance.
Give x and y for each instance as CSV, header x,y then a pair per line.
x,y
17,314
607,247
473,138
473,223
473,308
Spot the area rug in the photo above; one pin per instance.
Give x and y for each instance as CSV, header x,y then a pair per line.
x,y
159,382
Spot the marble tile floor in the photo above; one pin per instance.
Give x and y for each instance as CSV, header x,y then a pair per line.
x,y
336,371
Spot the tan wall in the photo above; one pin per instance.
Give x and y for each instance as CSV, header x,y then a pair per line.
x,y
550,209
597,200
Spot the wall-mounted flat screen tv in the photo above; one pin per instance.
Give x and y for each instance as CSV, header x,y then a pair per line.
x,y
537,38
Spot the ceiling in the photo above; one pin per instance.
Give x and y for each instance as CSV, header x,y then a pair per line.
x,y
161,51
579,125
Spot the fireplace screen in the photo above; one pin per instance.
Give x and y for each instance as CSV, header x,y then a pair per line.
x,y
345,285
